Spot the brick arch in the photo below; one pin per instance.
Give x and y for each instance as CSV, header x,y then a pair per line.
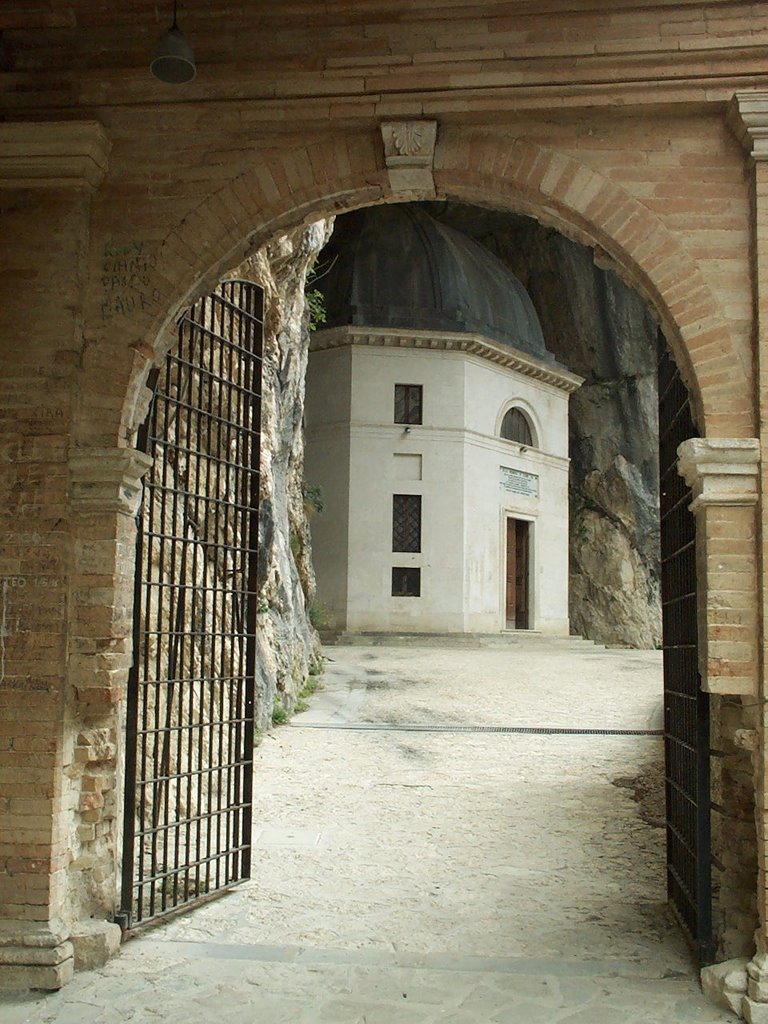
x,y
282,191
291,188
582,203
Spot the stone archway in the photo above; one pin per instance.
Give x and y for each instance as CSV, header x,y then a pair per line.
x,y
298,186
293,188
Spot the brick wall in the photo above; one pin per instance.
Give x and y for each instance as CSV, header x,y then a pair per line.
x,y
607,125
39,348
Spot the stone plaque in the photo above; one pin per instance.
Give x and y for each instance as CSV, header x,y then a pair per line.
x,y
515,482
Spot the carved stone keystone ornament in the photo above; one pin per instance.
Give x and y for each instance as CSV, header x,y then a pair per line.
x,y
409,153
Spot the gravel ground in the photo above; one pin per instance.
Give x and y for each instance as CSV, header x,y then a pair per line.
x,y
407,869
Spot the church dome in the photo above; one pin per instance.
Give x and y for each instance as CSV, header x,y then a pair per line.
x,y
395,266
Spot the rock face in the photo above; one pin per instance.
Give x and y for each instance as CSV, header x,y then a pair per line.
x,y
190,436
287,642
601,329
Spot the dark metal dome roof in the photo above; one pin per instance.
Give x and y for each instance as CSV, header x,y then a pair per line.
x,y
396,266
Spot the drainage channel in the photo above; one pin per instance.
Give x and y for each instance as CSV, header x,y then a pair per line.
x,y
524,730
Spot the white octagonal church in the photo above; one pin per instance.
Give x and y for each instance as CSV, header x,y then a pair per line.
x,y
437,430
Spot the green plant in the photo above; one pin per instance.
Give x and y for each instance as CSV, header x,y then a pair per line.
x,y
316,306
301,705
279,715
311,685
317,666
313,499
316,614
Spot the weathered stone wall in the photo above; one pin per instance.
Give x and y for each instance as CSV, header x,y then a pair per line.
x,y
601,329
733,741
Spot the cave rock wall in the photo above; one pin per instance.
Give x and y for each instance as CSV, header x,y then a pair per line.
x,y
288,644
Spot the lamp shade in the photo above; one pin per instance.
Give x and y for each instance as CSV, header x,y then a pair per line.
x,y
174,61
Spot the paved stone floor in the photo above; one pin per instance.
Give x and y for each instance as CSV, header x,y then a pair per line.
x,y
417,873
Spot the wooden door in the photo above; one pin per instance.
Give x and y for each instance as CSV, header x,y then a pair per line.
x,y
511,577
521,574
517,594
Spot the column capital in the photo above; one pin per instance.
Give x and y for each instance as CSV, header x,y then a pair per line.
x,y
53,154
409,154
748,119
107,480
720,471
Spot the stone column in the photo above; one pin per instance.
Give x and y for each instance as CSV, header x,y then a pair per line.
x,y
749,120
47,176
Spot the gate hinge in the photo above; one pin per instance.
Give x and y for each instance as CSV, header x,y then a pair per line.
x,y
123,918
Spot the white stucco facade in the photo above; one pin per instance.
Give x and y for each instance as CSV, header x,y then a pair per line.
x,y
471,480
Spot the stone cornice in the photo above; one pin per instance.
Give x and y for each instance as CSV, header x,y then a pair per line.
x,y
446,341
53,154
107,480
580,78
748,119
720,471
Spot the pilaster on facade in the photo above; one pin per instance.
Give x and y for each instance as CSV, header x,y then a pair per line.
x,y
748,118
60,154
723,476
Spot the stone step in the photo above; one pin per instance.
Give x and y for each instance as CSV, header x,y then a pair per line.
x,y
518,638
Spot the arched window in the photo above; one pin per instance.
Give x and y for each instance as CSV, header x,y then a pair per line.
x,y
515,427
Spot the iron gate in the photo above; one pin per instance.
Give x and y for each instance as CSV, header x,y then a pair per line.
x,y
686,706
189,750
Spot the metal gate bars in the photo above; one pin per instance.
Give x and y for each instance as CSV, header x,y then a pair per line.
x,y
189,750
686,706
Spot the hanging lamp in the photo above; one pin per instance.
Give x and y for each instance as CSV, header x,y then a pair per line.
x,y
174,61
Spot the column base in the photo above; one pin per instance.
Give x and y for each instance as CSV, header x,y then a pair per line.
x,y
726,983
45,956
95,942
754,1013
35,954
29,967
755,1004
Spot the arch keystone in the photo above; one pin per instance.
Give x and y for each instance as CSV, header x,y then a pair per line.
x,y
409,155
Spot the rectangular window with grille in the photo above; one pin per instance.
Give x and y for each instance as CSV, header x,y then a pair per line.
x,y
408,403
406,582
406,522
